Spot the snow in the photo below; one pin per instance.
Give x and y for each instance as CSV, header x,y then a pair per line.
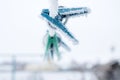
x,y
22,31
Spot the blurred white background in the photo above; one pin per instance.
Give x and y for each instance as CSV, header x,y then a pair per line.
x,y
22,30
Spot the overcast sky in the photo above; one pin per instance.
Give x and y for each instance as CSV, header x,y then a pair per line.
x,y
22,29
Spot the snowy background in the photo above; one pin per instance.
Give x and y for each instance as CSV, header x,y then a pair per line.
x,y
22,30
